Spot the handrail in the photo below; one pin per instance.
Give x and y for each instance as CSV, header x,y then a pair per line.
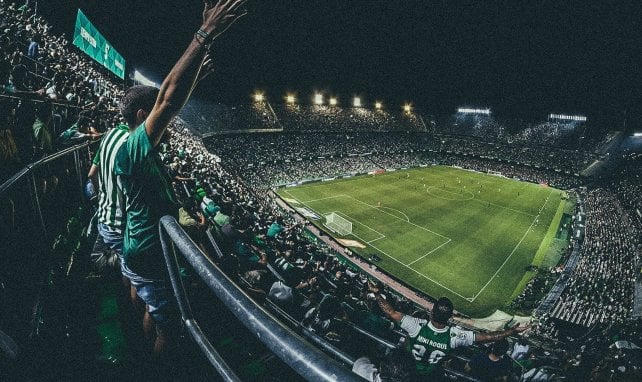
x,y
311,335
41,101
379,340
305,359
39,163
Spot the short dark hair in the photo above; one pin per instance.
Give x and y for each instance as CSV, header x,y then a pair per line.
x,y
136,98
442,310
500,347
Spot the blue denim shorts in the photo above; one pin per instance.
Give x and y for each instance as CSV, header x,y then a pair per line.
x,y
158,295
108,243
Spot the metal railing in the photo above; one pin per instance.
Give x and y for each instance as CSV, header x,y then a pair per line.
x,y
28,174
305,359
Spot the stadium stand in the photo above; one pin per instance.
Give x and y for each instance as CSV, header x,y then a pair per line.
x,y
310,283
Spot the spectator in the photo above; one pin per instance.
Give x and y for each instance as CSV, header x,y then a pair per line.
x,y
145,184
520,350
493,366
78,132
42,134
431,340
33,52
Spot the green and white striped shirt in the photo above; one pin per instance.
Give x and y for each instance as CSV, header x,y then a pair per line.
x,y
109,203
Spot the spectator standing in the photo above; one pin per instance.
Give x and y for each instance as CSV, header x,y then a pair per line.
x,y
145,183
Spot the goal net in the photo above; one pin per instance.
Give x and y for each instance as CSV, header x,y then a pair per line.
x,y
338,224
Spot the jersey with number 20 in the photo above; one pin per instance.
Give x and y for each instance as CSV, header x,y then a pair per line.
x,y
429,345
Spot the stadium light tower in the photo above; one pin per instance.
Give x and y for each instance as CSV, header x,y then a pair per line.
x,y
259,97
290,98
357,102
318,99
333,101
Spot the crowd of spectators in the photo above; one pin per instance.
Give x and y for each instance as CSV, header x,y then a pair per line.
x,y
628,186
328,118
271,159
601,287
50,94
570,135
207,116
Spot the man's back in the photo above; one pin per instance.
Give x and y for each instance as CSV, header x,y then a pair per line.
x,y
429,344
109,204
149,196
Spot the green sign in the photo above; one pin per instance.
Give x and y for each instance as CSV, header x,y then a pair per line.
x,y
90,41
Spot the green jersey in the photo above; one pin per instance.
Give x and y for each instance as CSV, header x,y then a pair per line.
x,y
109,203
148,197
429,345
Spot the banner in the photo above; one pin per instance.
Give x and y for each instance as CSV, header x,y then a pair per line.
x,y
89,40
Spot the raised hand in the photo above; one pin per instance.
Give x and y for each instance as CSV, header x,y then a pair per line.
x,y
217,18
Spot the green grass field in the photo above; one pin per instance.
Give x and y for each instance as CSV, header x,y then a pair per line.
x,y
444,231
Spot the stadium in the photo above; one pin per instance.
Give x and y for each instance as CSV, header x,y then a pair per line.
x,y
322,191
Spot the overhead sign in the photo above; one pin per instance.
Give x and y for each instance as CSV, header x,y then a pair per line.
x,y
90,41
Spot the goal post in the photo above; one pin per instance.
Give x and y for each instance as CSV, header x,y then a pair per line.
x,y
338,224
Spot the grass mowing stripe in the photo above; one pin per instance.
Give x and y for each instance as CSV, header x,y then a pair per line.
x,y
550,235
514,249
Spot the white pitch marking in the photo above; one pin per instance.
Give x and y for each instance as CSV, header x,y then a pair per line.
x,y
514,249
412,262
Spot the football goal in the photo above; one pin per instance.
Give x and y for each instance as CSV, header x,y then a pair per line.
x,y
338,224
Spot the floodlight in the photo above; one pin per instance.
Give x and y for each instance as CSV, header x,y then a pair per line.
x,y
378,105
138,76
637,135
333,101
564,117
318,99
290,98
407,108
258,97
357,102
466,110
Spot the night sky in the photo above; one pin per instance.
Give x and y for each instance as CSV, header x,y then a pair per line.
x,y
521,58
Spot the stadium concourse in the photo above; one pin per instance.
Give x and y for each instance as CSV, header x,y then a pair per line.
x,y
590,330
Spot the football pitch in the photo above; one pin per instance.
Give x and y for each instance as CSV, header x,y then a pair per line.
x,y
444,231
